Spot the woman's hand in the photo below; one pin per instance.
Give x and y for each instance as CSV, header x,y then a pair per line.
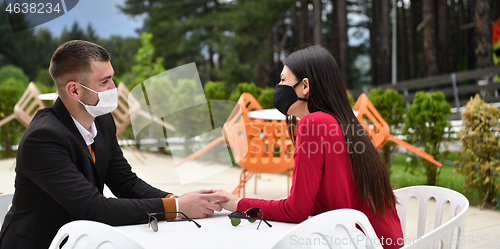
x,y
230,205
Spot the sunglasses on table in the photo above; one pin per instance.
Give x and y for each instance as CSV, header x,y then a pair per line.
x,y
251,215
153,221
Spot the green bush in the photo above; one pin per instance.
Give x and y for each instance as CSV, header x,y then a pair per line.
x,y
266,98
391,106
15,83
43,77
479,154
245,87
17,73
146,66
425,126
215,90
352,100
10,132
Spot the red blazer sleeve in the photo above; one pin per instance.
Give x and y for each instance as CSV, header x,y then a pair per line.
x,y
308,167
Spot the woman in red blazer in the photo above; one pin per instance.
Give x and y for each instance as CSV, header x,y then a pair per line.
x,y
335,163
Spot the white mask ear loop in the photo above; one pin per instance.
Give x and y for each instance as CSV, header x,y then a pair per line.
x,y
87,87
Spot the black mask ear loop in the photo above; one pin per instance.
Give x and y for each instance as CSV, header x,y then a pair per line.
x,y
294,86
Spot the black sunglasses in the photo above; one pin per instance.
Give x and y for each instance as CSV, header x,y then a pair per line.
x,y
251,215
153,222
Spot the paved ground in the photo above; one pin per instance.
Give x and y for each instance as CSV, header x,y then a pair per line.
x,y
482,229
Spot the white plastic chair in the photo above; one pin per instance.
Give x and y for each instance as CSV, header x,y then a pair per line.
x,y
92,235
5,201
442,233
332,229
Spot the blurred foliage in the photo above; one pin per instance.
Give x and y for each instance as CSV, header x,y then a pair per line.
x,y
122,51
146,66
426,126
352,100
245,87
11,132
389,103
266,98
479,156
234,37
215,90
43,77
13,76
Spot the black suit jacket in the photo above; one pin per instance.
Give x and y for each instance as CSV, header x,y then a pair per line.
x,y
57,181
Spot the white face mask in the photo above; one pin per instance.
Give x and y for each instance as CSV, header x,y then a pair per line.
x,y
108,102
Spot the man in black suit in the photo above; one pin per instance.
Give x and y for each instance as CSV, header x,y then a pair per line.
x,y
69,151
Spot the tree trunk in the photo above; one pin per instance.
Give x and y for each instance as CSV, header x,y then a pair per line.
x,y
403,51
317,36
452,38
430,38
343,56
471,53
303,23
335,31
385,43
483,30
442,31
413,38
374,42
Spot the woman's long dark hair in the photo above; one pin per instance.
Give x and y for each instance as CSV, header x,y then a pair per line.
x,y
328,94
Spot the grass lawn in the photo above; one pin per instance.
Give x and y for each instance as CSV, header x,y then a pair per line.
x,y
401,178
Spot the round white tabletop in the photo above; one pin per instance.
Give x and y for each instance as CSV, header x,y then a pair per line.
x,y
216,232
272,114
48,96
267,114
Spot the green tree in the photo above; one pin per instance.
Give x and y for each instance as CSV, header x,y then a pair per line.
x,y
43,77
235,36
215,90
123,52
479,156
74,33
266,98
13,76
426,125
245,87
146,66
9,132
389,103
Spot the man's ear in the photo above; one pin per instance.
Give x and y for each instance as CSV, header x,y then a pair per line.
x,y
72,90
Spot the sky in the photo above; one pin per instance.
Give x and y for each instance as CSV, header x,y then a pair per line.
x,y
104,15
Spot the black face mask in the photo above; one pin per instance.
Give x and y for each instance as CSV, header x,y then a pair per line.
x,y
285,96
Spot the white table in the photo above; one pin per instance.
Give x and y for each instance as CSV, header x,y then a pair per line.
x,y
48,96
267,114
216,232
272,114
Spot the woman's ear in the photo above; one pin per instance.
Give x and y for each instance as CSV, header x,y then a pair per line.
x,y
305,88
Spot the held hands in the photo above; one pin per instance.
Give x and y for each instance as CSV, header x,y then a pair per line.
x,y
201,203
232,203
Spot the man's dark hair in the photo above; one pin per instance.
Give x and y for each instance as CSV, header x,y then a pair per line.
x,y
72,60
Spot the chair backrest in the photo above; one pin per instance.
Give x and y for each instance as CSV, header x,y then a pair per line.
x,y
92,235
25,109
248,103
126,104
442,232
332,229
5,201
265,148
378,129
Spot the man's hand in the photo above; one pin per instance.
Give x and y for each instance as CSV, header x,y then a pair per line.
x,y
230,205
200,203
